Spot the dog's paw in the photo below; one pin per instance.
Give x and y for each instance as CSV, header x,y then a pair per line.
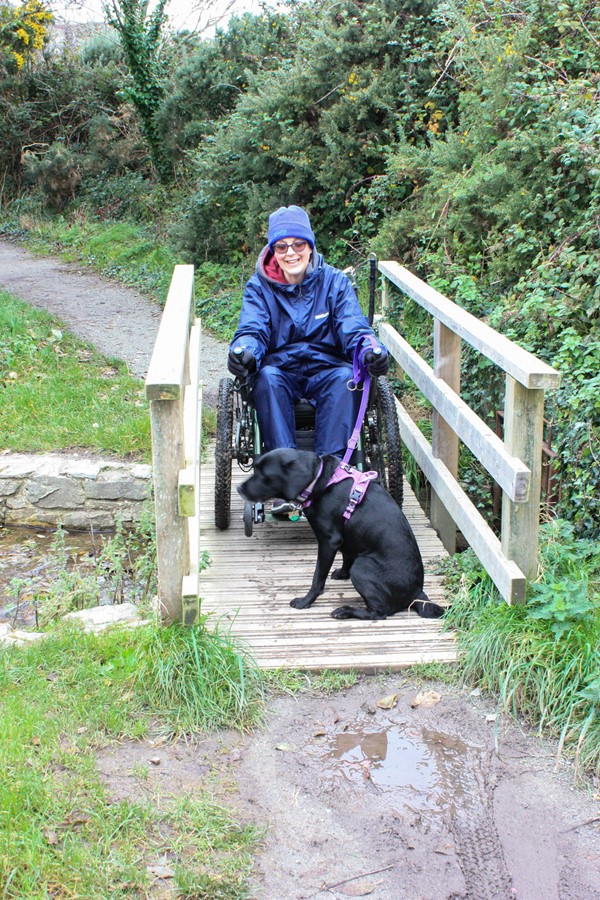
x,y
343,612
301,603
340,574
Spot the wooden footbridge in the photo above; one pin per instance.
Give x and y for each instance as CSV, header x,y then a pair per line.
x,y
245,584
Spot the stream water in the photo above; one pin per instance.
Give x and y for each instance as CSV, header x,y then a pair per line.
x,y
32,562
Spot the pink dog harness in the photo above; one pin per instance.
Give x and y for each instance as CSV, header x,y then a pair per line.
x,y
360,483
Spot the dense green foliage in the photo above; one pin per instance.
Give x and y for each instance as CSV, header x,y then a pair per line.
x,y
461,137
541,660
502,215
316,129
140,34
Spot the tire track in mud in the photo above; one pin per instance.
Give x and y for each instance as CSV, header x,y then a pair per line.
x,y
479,848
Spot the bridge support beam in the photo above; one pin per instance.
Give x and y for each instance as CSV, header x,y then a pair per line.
x,y
523,434
166,417
444,441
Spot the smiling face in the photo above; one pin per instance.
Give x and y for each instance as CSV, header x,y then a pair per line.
x,y
292,260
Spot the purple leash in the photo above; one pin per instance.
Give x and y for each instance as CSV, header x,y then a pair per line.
x,y
361,480
360,376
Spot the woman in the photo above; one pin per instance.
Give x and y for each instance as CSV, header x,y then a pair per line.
x,y
299,326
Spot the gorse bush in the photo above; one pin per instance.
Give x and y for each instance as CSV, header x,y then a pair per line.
x,y
501,214
314,130
56,172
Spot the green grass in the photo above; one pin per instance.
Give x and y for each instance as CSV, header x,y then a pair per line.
x,y
57,393
61,834
199,679
541,660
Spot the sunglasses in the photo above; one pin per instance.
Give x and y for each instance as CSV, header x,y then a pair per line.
x,y
281,248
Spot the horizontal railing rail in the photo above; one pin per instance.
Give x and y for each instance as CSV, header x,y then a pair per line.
x,y
513,463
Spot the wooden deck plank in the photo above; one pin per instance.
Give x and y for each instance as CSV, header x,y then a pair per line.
x,y
249,582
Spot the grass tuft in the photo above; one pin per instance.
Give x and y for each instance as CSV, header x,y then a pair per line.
x,y
199,679
542,670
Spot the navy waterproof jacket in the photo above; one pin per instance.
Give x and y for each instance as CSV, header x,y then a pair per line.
x,y
301,327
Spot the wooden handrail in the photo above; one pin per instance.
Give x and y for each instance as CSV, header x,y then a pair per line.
x,y
508,471
167,370
168,382
515,463
523,366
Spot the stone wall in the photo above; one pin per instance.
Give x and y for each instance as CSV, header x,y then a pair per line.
x,y
78,492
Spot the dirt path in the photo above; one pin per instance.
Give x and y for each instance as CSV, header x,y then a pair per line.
x,y
119,321
446,802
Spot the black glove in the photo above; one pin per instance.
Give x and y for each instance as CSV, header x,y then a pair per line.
x,y
377,361
241,362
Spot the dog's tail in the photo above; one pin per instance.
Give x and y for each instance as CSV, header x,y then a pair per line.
x,y
426,608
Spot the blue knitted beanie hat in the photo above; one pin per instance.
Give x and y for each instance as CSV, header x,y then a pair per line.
x,y
289,222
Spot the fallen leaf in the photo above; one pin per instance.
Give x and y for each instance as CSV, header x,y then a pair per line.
x,y
359,888
75,819
426,699
160,871
388,702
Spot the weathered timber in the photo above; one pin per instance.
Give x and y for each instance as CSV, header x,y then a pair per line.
x,y
504,572
506,469
520,364
250,581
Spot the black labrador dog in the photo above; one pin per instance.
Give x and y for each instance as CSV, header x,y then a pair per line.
x,y
379,551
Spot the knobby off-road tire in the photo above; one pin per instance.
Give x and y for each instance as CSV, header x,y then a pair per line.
x,y
224,453
384,451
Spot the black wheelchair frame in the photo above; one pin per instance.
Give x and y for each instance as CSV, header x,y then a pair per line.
x,y
238,438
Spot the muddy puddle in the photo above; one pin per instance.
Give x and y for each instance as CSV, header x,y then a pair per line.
x,y
431,776
35,565
415,765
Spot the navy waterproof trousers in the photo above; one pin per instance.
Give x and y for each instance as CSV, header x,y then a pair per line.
x,y
336,407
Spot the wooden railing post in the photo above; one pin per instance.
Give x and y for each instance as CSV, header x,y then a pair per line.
x,y
168,373
523,435
166,418
444,441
